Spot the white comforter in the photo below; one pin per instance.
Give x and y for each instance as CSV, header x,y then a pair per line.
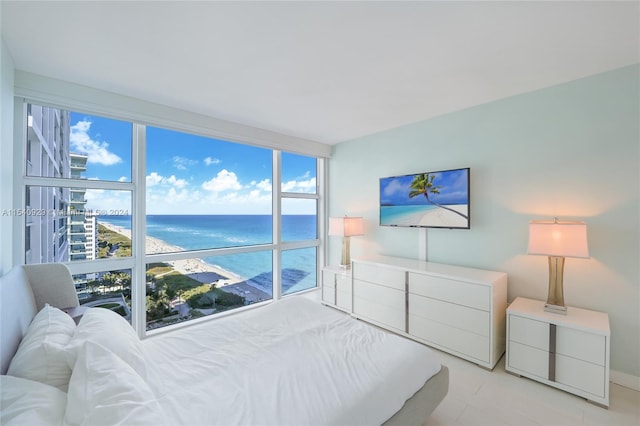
x,y
293,362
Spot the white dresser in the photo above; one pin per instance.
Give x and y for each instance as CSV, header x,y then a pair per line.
x,y
456,309
569,352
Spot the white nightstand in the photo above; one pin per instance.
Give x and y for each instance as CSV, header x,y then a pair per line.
x,y
569,352
336,288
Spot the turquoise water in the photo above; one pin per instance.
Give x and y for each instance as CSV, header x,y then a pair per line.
x,y
194,232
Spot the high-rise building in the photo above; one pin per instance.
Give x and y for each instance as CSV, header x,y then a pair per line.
x,y
77,211
47,155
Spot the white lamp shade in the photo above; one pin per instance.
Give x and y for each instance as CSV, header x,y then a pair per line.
x,y
346,226
558,238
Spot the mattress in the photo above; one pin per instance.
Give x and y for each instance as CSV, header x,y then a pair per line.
x,y
292,362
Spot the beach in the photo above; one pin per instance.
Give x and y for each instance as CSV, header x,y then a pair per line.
x,y
437,217
198,269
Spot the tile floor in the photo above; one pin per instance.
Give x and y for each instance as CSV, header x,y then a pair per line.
x,y
481,397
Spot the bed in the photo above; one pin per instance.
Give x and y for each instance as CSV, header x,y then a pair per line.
x,y
292,362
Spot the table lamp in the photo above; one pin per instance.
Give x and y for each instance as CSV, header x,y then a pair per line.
x,y
346,227
557,240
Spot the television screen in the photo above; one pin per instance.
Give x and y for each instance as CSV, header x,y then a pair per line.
x,y
431,200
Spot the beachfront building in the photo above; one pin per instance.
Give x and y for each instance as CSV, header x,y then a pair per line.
x,y
77,214
47,155
91,235
83,227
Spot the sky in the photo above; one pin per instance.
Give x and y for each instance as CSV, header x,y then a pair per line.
x,y
453,189
187,174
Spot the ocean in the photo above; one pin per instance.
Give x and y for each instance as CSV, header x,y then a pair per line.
x,y
194,232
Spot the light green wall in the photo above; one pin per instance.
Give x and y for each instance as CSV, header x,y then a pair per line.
x,y
570,151
6,155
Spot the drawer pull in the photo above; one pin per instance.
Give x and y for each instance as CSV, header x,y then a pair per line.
x,y
552,352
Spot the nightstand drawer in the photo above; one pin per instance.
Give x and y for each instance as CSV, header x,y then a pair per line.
x,y
468,319
528,360
529,332
328,294
578,344
343,299
580,375
388,277
328,279
459,292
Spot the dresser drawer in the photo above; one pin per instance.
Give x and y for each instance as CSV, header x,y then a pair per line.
x,y
381,295
459,292
529,332
379,303
580,345
461,317
391,318
528,359
450,338
389,277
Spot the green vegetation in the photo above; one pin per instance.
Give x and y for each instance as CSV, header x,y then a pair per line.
x,y
164,285
158,268
108,305
111,243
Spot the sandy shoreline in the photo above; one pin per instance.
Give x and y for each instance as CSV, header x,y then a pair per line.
x,y
437,217
198,269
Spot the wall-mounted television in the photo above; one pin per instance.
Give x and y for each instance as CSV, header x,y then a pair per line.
x,y
438,199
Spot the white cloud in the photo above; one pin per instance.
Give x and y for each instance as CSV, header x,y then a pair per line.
x,y
264,185
308,186
97,151
106,201
209,161
123,179
154,179
224,181
183,163
178,183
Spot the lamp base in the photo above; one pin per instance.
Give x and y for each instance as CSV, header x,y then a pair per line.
x,y
562,310
345,259
555,297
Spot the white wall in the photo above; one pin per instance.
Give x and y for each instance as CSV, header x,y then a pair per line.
x,y
570,151
6,156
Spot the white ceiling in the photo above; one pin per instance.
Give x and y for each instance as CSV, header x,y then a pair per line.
x,y
325,71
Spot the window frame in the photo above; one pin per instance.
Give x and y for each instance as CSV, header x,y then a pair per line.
x,y
137,187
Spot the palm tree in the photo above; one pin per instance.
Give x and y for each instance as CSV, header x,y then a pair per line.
x,y
423,184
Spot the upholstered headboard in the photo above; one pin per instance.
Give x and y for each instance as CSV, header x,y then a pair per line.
x,y
24,290
18,307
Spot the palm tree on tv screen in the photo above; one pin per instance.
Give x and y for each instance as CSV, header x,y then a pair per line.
x,y
423,184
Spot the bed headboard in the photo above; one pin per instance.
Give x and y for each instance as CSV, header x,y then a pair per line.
x,y
17,309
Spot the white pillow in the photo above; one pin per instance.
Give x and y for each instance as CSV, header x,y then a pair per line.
x,y
41,354
104,390
114,333
25,402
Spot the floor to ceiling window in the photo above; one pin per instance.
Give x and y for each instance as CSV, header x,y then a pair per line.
x,y
164,226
